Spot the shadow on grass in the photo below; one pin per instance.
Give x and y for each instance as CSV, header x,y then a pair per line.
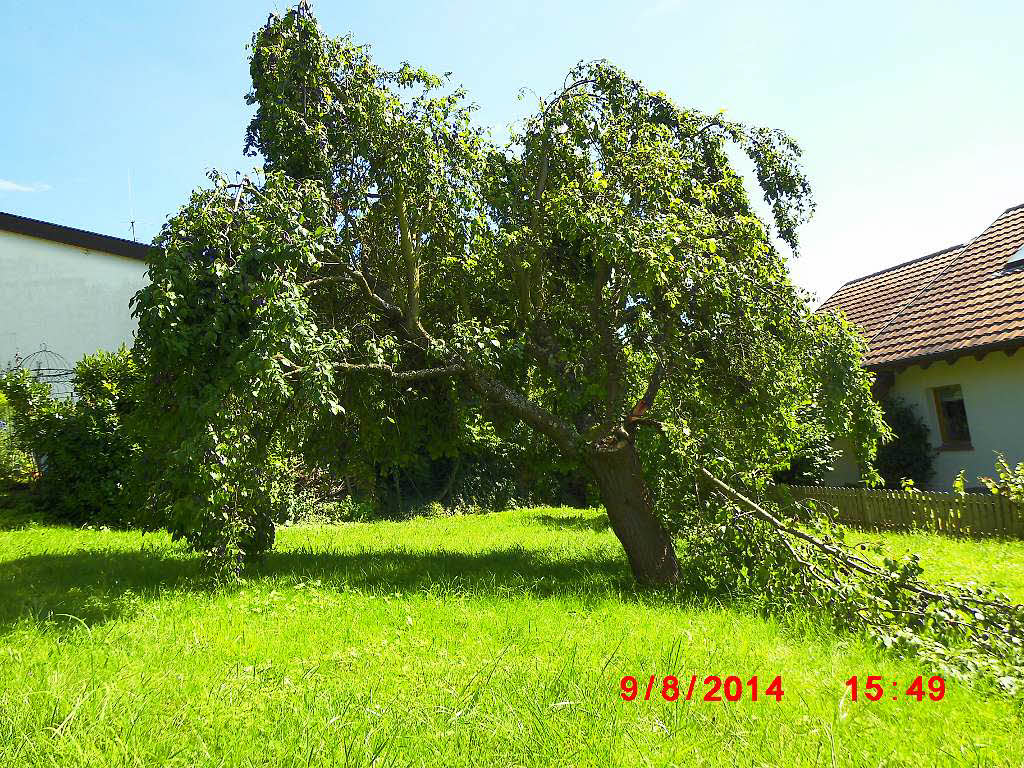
x,y
57,591
506,571
89,586
580,522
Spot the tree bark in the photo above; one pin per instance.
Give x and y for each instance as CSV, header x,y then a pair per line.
x,y
624,491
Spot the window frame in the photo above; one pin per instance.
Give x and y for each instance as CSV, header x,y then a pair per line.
x,y
948,443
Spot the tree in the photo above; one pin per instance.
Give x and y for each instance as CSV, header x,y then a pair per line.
x,y
604,279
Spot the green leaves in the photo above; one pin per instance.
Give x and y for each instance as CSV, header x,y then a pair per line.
x,y
909,455
1009,480
607,256
85,446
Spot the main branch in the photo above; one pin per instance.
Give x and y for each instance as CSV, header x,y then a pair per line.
x,y
411,258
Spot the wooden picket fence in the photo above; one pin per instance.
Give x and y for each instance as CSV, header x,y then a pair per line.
x,y
973,514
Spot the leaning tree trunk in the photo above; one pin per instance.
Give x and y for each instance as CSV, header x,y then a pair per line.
x,y
625,494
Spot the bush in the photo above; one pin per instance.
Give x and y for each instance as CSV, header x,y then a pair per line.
x,y
909,455
1009,480
432,509
16,466
80,445
307,510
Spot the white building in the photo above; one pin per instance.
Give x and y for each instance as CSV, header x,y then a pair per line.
x,y
943,333
65,290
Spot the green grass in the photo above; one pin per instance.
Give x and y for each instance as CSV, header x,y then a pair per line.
x,y
493,640
996,562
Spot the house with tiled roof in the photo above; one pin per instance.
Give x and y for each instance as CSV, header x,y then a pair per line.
x,y
943,333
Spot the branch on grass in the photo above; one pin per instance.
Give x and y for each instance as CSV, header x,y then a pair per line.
x,y
982,616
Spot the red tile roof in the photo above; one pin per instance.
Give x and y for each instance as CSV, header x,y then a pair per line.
x,y
960,300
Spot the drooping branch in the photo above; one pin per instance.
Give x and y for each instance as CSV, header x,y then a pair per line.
x,y
387,371
566,92
439,372
529,280
536,278
608,340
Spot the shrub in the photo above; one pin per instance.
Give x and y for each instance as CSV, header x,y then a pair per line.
x,y
1009,480
80,445
15,465
307,510
909,455
431,509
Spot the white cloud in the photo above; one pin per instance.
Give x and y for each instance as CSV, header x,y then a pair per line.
x,y
13,186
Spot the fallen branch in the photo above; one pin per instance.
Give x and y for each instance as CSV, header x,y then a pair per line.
x,y
963,628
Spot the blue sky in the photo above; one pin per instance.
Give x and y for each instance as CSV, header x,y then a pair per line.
x,y
911,115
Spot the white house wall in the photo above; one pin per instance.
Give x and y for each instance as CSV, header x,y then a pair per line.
x,y
845,470
69,299
993,392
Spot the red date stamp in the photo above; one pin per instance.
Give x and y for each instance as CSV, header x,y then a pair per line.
x,y
710,688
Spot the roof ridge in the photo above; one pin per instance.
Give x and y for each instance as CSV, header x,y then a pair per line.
x,y
928,286
901,264
918,310
926,256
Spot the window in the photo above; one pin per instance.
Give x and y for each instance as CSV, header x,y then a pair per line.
x,y
949,407
1016,258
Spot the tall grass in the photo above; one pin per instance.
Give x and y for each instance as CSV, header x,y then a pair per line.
x,y
492,640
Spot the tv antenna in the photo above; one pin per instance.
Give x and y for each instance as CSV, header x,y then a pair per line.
x,y
131,204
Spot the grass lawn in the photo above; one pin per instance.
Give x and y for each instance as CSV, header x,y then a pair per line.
x,y
493,640
998,562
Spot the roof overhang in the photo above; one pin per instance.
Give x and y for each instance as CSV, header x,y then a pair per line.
x,y
58,233
1009,346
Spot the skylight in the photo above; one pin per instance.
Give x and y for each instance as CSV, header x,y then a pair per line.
x,y
1016,258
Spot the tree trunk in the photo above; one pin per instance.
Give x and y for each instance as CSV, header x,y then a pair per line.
x,y
625,494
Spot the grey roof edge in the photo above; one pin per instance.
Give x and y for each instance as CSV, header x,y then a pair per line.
x,y
58,233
